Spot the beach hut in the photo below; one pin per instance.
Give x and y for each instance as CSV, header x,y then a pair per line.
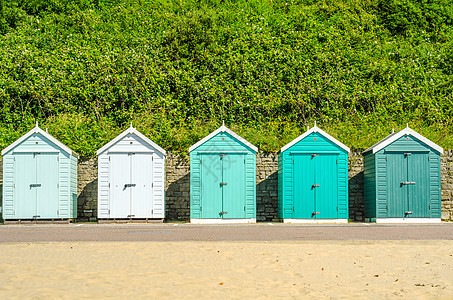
x,y
402,179
223,179
313,179
131,178
39,178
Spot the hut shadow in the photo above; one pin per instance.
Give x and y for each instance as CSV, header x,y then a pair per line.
x,y
87,201
177,199
267,199
356,197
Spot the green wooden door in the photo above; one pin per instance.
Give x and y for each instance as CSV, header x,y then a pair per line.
x,y
418,190
315,186
407,185
326,190
396,192
211,190
304,192
233,187
25,186
47,191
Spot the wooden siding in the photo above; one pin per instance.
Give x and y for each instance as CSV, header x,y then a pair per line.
x,y
103,186
381,186
280,193
124,145
64,181
8,186
158,185
73,187
222,142
435,187
313,143
369,177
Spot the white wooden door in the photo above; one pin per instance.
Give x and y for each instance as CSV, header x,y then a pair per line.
x,y
120,180
142,191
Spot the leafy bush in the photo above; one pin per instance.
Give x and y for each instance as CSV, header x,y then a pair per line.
x,y
268,68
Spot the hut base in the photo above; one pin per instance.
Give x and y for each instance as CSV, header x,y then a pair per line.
x,y
316,221
222,221
403,220
122,221
38,221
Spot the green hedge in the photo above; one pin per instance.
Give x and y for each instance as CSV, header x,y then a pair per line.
x,y
85,69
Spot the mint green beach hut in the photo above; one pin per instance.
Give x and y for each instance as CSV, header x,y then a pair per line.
x,y
39,178
223,179
313,179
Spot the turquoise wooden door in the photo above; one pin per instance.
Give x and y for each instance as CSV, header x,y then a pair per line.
x,y
326,190
304,193
211,190
223,186
25,186
407,185
315,186
233,187
47,191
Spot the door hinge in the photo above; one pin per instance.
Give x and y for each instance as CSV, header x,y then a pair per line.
x,y
109,158
386,158
58,212
201,208
387,207
109,211
58,185
336,161
152,158
201,161
244,207
109,184
293,161
152,211
430,207
152,184
293,208
58,158
337,208
244,161
428,158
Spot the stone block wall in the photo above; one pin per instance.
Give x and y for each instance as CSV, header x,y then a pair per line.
x,y
178,187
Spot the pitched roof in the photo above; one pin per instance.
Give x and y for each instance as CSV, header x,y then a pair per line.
x,y
396,135
36,129
310,131
223,128
131,130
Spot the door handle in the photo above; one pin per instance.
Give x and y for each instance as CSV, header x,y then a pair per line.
x,y
407,182
223,183
408,212
35,185
314,185
315,213
223,212
129,185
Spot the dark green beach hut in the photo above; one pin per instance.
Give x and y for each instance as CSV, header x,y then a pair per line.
x,y
402,179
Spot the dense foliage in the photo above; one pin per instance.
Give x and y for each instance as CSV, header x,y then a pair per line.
x,y
269,68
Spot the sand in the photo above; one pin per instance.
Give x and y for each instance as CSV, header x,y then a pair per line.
x,y
227,270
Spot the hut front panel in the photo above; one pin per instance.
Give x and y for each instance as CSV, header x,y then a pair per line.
x,y
103,186
8,186
205,181
131,143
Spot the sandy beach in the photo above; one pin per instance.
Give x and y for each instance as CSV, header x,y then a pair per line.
x,y
224,270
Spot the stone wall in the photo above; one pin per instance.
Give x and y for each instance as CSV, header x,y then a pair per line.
x,y
178,188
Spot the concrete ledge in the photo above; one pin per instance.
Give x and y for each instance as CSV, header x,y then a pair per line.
x,y
406,220
122,221
222,221
316,221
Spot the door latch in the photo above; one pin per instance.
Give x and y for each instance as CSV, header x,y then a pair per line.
x,y
407,154
129,185
314,185
314,154
408,212
223,213
407,182
315,213
35,185
223,183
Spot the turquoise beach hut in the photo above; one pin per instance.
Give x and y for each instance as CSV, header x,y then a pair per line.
x,y
39,178
313,179
223,179
402,179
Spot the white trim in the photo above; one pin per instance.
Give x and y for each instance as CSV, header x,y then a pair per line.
x,y
223,128
222,221
128,151
320,131
316,221
36,151
407,220
131,130
395,136
222,152
43,133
